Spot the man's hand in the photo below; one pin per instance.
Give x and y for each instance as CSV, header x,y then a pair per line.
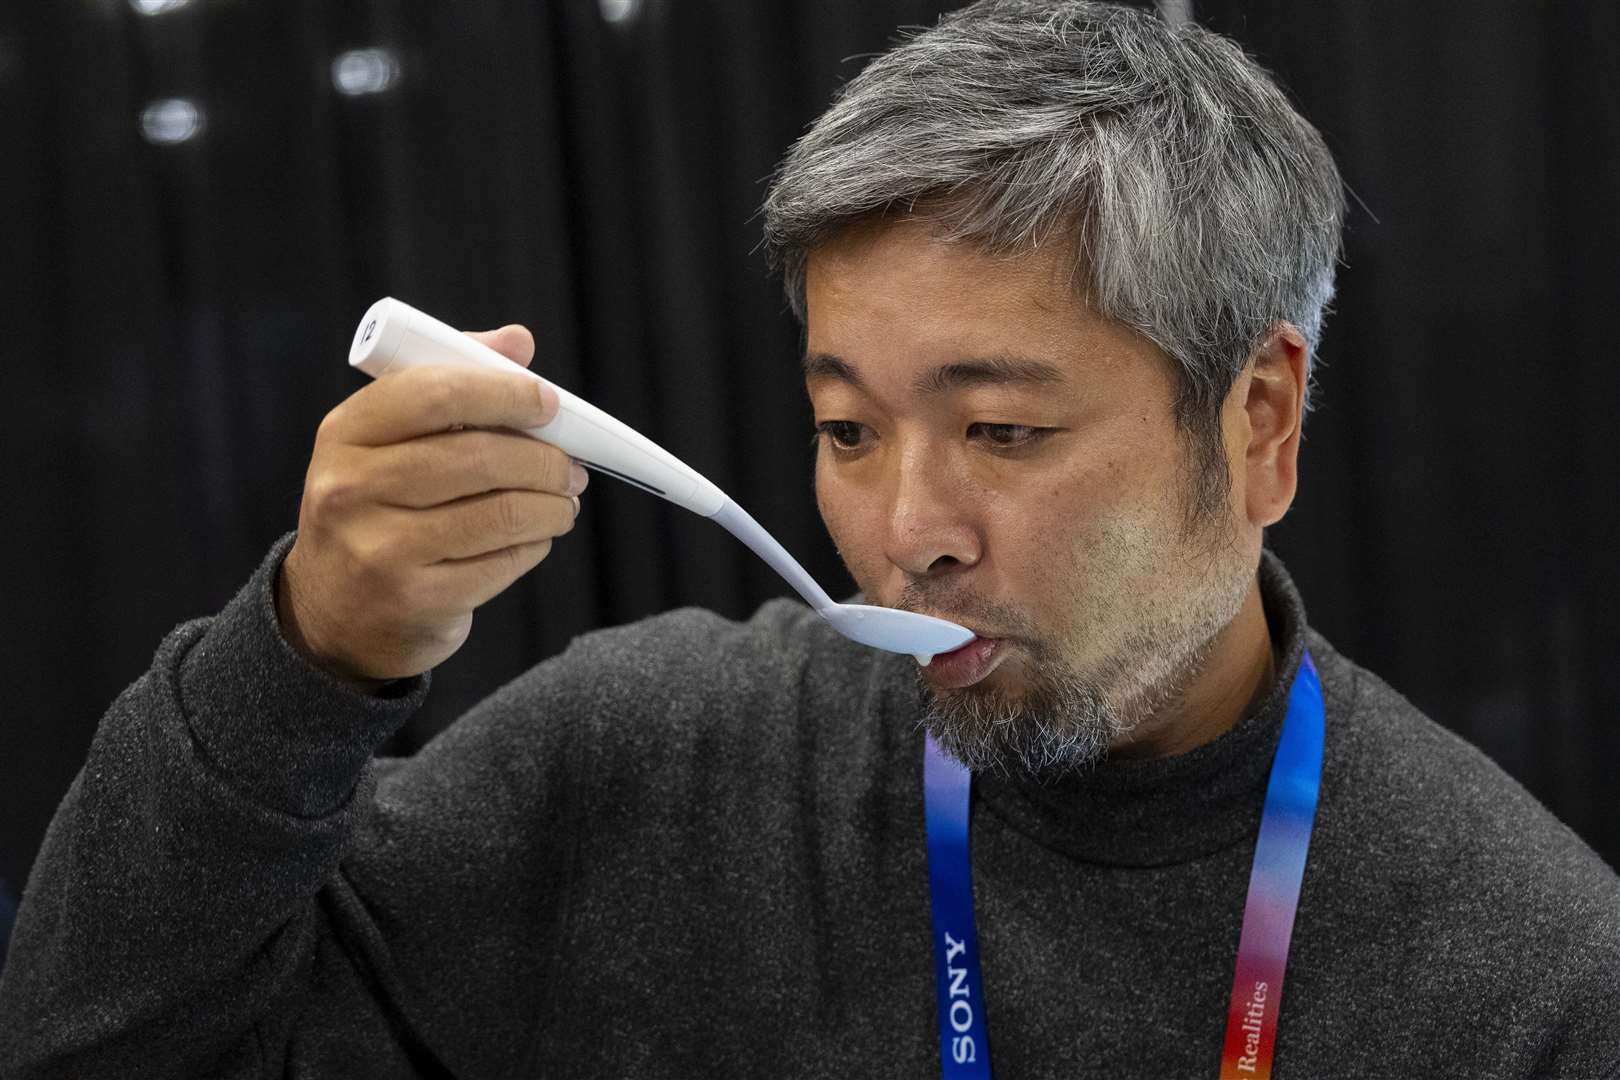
x,y
408,522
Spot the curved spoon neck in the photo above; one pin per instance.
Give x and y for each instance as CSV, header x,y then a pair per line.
x,y
739,523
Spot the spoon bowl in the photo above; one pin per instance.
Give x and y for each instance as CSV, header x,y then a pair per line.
x,y
923,636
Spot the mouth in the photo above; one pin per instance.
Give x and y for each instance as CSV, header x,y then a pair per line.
x,y
965,666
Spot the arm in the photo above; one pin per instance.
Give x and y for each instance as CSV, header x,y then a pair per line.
x,y
192,910
174,921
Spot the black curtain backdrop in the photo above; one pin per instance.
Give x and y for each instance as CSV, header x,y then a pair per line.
x,y
176,319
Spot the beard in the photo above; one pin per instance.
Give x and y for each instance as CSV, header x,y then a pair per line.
x,y
1136,640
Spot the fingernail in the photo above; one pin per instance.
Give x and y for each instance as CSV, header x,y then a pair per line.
x,y
549,403
577,479
576,506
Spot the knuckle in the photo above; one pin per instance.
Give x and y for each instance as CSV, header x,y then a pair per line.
x,y
509,514
520,396
482,457
371,556
380,475
511,563
327,430
435,395
327,494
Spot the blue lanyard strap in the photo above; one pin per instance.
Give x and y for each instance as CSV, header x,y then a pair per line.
x,y
1268,916
963,1046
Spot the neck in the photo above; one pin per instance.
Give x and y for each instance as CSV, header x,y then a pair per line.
x,y
1240,669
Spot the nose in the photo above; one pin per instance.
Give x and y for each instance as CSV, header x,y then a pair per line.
x,y
931,525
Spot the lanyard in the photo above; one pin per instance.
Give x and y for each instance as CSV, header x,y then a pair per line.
x,y
1268,914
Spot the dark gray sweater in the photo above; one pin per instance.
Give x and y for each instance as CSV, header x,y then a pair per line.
x,y
691,847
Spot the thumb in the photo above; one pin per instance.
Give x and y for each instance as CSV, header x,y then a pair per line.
x,y
513,342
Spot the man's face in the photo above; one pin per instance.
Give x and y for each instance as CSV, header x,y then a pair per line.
x,y
994,453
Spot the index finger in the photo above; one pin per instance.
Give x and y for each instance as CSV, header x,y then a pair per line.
x,y
425,400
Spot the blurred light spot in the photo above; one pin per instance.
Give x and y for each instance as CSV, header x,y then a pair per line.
x,y
171,121
619,11
365,71
157,7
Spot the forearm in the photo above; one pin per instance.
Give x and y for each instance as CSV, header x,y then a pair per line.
x,y
172,922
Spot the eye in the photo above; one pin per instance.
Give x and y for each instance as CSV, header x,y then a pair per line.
x,y
842,434
1008,436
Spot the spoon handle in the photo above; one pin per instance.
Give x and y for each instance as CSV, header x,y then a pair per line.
x,y
393,335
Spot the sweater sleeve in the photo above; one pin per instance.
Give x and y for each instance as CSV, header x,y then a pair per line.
x,y
182,913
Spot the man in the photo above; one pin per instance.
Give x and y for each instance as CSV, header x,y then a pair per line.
x,y
1062,270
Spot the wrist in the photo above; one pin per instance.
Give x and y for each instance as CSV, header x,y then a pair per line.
x,y
293,624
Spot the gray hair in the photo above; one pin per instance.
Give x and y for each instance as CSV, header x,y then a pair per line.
x,y
1201,208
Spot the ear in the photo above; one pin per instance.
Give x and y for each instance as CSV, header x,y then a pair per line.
x,y
1271,395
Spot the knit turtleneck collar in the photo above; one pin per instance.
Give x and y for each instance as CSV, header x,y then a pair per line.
x,y
1174,809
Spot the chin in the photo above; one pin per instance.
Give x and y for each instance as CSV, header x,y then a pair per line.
x,y
1005,725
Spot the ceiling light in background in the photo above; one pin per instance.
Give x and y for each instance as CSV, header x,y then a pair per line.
x,y
171,121
620,11
157,7
365,71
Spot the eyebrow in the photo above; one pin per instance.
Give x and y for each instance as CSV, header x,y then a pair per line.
x,y
977,371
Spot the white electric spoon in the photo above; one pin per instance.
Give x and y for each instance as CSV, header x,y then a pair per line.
x,y
393,335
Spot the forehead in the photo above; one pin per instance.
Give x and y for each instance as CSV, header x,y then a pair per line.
x,y
887,260
893,294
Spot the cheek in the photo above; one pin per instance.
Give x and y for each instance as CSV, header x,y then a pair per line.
x,y
1039,545
1061,506
843,515
826,501
1061,533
